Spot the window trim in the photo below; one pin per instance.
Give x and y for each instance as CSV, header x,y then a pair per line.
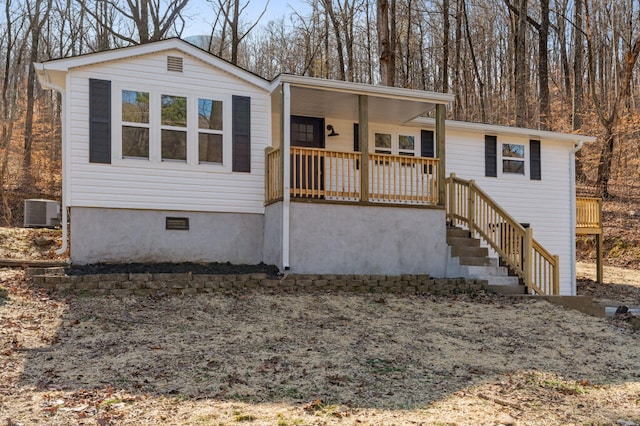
x,y
155,128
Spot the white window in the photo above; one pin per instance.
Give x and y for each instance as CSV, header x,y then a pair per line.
x,y
135,124
513,158
400,143
164,126
210,135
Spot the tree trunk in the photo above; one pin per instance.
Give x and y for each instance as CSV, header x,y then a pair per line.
x,y
578,67
384,44
520,69
543,65
445,46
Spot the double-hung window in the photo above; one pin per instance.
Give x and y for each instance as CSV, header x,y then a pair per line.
x,y
135,124
173,127
513,158
210,128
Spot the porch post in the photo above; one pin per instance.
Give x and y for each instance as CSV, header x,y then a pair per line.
x,y
440,153
285,146
363,139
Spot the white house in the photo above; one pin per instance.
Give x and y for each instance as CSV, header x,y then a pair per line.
x,y
172,154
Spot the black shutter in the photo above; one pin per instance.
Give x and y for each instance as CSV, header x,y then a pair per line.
x,y
356,137
427,148
99,121
534,160
490,156
241,134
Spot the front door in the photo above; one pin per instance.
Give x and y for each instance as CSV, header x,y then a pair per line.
x,y
307,171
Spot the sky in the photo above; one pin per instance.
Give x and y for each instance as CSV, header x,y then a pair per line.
x,y
200,13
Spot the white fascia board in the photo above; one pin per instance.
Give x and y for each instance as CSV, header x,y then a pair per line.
x,y
363,89
493,129
66,64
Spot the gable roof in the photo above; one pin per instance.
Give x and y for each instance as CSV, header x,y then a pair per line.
x,y
51,71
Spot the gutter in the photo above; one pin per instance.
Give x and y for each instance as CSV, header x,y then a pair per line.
x,y
45,82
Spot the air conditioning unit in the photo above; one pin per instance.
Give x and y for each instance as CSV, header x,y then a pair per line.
x,y
41,213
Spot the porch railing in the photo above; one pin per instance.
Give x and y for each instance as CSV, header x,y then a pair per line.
x,y
588,215
470,207
402,179
334,175
273,174
317,173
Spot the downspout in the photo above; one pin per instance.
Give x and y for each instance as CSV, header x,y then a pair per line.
x,y
572,230
285,135
47,84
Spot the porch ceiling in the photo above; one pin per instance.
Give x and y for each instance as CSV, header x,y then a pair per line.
x,y
313,102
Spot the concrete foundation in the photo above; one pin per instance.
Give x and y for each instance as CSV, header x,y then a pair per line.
x,y
353,239
125,235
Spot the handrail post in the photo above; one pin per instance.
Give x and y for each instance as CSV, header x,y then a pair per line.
x,y
471,206
452,194
556,275
527,267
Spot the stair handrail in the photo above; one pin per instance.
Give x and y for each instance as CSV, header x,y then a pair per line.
x,y
468,205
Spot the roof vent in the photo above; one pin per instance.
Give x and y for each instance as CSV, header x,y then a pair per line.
x,y
174,63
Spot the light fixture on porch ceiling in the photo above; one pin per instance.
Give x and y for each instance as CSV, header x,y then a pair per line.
x,y
332,132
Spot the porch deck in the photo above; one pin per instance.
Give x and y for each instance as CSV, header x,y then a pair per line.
x,y
589,222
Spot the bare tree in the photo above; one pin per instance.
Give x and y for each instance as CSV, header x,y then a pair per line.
x,y
152,20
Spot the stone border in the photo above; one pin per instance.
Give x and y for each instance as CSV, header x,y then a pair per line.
x,y
183,284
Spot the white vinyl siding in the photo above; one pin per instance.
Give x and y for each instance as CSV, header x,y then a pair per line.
x,y
166,185
544,204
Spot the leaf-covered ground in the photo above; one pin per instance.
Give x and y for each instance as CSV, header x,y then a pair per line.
x,y
309,359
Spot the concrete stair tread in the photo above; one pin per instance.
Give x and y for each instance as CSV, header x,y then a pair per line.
x,y
462,251
474,261
508,289
499,281
463,241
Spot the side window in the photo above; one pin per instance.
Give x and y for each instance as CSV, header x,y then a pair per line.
x,y
513,158
174,127
135,124
209,131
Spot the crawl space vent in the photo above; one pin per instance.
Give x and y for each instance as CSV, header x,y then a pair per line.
x,y
174,63
177,223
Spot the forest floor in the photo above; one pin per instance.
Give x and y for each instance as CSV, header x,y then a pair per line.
x,y
312,359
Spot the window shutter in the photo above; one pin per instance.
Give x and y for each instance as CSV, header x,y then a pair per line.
x,y
99,121
534,160
426,144
490,156
356,137
241,134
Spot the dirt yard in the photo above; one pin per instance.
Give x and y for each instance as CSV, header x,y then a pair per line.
x,y
314,359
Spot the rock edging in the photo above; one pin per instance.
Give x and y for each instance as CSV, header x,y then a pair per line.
x,y
187,283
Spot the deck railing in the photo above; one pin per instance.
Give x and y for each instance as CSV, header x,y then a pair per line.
x,y
273,174
588,215
403,179
468,206
318,173
334,175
